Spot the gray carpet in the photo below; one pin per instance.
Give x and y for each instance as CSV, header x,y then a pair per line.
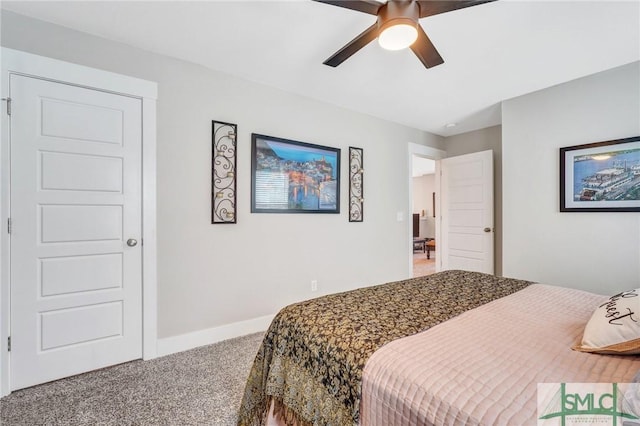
x,y
202,386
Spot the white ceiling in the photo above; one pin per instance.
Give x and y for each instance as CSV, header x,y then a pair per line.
x,y
492,52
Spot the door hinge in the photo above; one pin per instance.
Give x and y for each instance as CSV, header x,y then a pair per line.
x,y
9,344
9,225
8,105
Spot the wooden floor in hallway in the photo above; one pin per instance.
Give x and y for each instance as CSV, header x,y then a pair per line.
x,y
423,266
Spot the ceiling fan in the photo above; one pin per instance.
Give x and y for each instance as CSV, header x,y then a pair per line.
x,y
397,26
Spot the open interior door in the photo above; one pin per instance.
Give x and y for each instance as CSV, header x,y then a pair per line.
x,y
466,233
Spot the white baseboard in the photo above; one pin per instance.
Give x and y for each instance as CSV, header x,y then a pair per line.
x,y
183,342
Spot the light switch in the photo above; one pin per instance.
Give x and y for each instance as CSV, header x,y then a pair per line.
x,y
400,216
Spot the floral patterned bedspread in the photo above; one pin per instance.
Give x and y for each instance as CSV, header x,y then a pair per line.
x,y
311,359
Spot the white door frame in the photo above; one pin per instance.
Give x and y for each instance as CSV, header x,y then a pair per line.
x,y
17,62
432,154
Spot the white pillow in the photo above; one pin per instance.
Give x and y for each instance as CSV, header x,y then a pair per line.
x,y
614,328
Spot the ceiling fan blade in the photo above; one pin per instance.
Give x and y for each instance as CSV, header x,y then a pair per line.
x,y
436,7
367,6
425,50
353,46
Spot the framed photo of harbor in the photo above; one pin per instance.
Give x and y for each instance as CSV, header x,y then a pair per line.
x,y
293,177
601,176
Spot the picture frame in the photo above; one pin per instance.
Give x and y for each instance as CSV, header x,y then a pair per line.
x,y
290,176
601,176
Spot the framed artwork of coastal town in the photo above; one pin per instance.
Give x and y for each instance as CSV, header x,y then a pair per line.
x,y
293,177
601,176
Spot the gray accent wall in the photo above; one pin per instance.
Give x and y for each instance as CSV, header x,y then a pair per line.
x,y
598,252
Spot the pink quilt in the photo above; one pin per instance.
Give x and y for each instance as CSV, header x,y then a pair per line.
x,y
483,366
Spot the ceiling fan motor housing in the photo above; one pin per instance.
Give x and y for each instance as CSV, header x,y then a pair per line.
x,y
397,12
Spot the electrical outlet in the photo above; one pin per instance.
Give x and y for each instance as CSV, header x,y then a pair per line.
x,y
314,285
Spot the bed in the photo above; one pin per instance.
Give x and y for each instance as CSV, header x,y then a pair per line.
x,y
455,347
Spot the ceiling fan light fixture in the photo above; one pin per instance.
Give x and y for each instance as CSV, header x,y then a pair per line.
x,y
397,26
398,36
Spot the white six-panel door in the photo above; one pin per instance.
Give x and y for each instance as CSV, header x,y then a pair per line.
x,y
76,295
466,236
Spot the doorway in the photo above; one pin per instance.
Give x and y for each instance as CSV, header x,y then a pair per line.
x,y
422,183
423,215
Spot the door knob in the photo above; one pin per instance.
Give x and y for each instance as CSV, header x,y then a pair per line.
x,y
487,229
131,242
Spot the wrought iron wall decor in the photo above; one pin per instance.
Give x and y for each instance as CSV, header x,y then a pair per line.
x,y
356,181
223,172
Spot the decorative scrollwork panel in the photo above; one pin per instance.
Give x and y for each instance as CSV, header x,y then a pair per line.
x,y
223,172
356,185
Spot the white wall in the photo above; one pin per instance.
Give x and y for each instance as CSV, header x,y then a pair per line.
x,y
599,252
212,275
423,188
